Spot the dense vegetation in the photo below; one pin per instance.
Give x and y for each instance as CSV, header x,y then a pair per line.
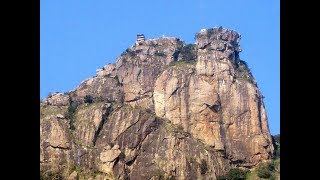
x,y
88,99
186,53
243,72
50,175
70,114
235,174
276,145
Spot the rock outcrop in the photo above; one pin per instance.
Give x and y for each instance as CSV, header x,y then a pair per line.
x,y
163,110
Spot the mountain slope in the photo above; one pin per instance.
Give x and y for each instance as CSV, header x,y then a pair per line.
x,y
163,110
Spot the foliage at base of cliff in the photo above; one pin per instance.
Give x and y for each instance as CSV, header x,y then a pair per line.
x,y
268,170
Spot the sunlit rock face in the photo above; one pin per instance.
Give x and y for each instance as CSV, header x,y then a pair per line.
x,y
165,109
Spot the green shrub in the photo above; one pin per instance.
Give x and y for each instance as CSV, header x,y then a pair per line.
x,y
152,44
49,95
186,53
203,166
124,52
70,114
188,47
71,110
276,164
88,99
111,144
128,52
276,145
159,174
265,170
50,176
172,178
235,174
180,127
273,177
161,54
243,72
210,32
276,152
122,155
264,173
182,63
276,138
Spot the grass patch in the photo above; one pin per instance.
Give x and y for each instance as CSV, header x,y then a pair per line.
x,y
182,63
270,170
160,174
158,53
265,170
85,173
51,110
235,174
186,53
173,128
51,175
203,166
191,159
209,32
243,72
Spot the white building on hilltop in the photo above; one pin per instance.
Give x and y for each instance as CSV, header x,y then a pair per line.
x,y
140,39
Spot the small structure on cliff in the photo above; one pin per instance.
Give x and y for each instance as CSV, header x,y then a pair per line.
x,y
140,39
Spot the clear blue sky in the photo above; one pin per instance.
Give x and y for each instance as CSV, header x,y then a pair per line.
x,y
79,36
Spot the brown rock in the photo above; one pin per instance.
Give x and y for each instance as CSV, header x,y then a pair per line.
x,y
109,155
164,110
87,121
100,88
60,116
73,176
57,99
55,133
139,67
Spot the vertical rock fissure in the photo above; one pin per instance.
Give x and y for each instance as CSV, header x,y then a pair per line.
x,y
259,114
107,108
222,124
180,102
187,103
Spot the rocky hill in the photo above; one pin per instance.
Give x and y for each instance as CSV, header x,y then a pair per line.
x,y
164,110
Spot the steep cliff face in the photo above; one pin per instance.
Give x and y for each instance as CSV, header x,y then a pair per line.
x,y
164,110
